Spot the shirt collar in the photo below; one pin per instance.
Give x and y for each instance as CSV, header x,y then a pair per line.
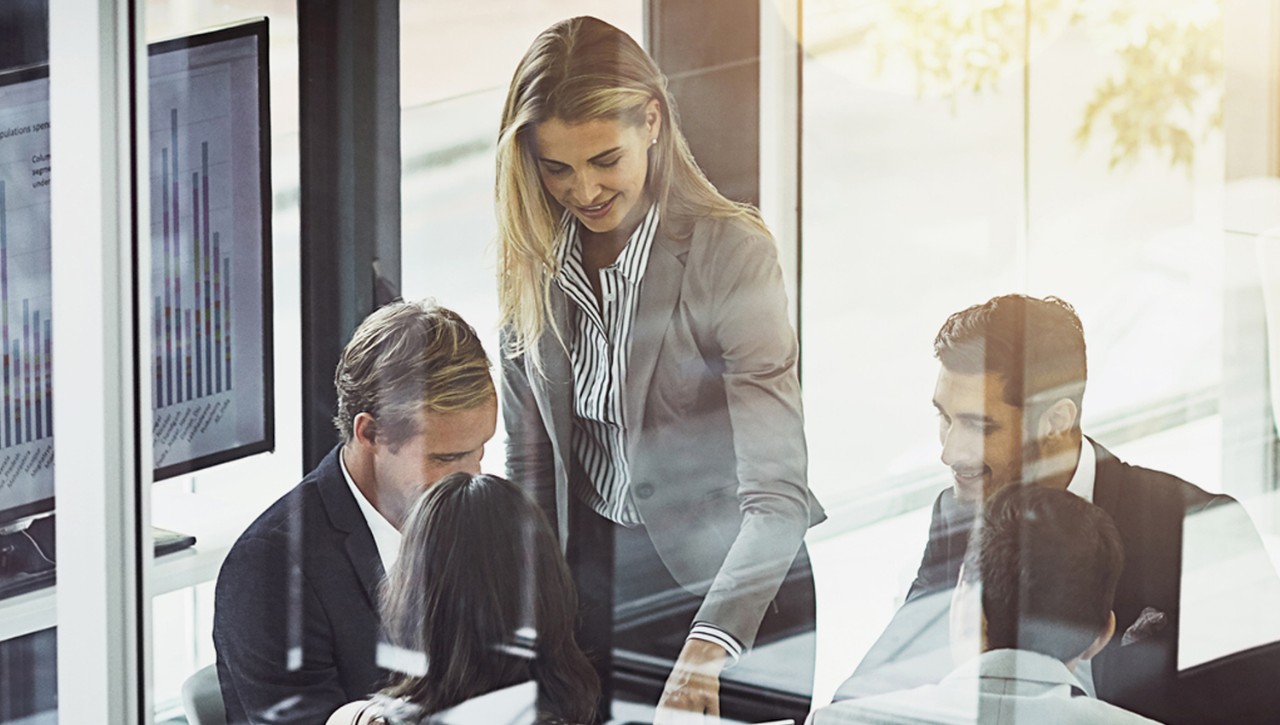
x,y
1017,664
385,536
631,263
1086,470
634,259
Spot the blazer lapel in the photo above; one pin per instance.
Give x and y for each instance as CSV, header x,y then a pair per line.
x,y
1106,489
348,522
556,402
659,294
363,554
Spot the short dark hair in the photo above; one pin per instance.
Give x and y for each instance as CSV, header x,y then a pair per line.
x,y
1048,562
405,358
1035,345
481,589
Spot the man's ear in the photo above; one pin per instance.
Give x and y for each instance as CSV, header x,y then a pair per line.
x,y
364,431
1102,639
1059,419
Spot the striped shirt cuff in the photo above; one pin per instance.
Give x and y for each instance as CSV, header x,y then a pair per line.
x,y
711,633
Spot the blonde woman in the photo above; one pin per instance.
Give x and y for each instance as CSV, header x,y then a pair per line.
x,y
650,392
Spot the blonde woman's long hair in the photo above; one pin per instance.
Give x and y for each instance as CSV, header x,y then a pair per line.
x,y
579,70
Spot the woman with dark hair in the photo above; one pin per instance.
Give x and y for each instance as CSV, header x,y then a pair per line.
x,y
650,391
478,600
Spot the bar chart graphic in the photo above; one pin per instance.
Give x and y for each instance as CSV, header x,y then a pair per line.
x,y
192,337
26,351
207,336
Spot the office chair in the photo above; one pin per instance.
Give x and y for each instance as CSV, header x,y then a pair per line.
x,y
202,698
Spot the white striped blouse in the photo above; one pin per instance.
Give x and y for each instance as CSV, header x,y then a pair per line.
x,y
598,350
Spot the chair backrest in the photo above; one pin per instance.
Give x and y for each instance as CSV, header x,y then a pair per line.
x,y
202,698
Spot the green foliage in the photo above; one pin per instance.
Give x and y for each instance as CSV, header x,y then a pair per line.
x,y
957,45
1166,93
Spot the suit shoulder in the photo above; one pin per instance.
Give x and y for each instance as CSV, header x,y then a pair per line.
x,y
290,532
719,239
292,536
723,254
298,503
1154,485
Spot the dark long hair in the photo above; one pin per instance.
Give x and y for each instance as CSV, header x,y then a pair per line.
x,y
481,589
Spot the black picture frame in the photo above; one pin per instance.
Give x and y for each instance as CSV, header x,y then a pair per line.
x,y
258,30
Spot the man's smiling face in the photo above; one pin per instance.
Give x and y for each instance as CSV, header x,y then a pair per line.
x,y
980,433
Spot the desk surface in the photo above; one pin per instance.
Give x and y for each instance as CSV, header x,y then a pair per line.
x,y
214,522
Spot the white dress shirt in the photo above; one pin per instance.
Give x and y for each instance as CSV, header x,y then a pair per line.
x,y
385,536
1086,471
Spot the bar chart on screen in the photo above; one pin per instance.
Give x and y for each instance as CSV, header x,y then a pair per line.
x,y
26,384
205,263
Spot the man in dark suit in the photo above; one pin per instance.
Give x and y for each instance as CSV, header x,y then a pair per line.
x,y
1008,396
296,624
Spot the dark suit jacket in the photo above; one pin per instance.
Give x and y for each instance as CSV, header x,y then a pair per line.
x,y
1149,509
295,621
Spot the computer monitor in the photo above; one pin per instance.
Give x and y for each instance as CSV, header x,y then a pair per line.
x,y
213,398
26,390
210,248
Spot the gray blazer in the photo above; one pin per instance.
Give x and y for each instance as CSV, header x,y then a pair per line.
x,y
715,426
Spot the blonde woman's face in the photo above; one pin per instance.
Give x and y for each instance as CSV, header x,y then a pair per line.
x,y
597,169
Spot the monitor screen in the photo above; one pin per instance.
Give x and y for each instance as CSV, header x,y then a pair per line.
x,y
210,272
26,400
210,248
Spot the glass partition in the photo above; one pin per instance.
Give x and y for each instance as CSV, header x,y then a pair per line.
x,y
28,641
217,503
1118,154
960,151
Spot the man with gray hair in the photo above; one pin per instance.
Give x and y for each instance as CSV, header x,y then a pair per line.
x,y
296,627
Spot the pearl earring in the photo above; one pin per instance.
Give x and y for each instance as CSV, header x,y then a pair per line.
x,y
653,141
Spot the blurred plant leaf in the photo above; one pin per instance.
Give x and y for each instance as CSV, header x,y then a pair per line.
x,y
1166,93
1164,96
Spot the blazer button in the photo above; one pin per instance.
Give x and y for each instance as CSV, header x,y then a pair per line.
x,y
644,490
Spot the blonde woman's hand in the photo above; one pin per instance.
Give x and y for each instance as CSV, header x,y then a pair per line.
x,y
692,693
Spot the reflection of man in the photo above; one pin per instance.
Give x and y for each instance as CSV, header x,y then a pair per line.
x,y
1008,396
295,619
1034,598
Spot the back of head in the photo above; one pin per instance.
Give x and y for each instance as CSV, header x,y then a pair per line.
x,y
405,358
1035,345
1048,563
481,589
